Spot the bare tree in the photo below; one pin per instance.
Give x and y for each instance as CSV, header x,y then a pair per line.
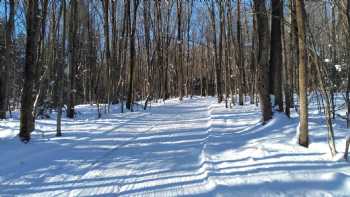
x,y
276,53
348,71
290,59
27,119
263,76
240,60
132,53
146,25
303,125
60,70
72,46
217,61
105,5
179,48
6,60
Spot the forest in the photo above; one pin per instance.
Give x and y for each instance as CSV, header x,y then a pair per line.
x,y
174,97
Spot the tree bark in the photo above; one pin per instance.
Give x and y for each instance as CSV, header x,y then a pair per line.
x,y
219,59
26,118
7,61
179,48
348,71
217,64
240,60
105,5
288,91
72,44
60,72
146,16
263,83
130,99
276,54
115,65
303,126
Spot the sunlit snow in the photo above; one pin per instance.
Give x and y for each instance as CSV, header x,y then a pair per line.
x,y
195,147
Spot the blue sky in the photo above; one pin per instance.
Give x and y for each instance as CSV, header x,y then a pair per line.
x,y
199,5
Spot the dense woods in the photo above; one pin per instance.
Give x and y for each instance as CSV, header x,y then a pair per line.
x,y
174,97
56,54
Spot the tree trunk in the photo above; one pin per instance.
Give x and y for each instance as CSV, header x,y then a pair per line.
x,y
27,119
285,72
303,126
217,64
60,72
228,53
276,54
334,61
294,53
179,49
289,56
263,82
240,60
42,64
146,16
253,62
115,68
130,99
188,83
7,61
347,11
73,28
105,5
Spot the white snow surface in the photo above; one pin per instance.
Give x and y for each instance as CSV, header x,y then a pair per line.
x,y
195,147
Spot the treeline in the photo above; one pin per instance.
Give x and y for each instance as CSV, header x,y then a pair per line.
x,y
56,54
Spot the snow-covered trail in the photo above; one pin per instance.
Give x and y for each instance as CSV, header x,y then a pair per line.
x,y
195,147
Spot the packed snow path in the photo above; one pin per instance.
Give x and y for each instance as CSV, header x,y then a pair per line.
x,y
193,147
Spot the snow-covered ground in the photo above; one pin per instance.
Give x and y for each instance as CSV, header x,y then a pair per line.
x,y
195,147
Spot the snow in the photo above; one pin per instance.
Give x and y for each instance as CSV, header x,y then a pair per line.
x,y
338,67
194,147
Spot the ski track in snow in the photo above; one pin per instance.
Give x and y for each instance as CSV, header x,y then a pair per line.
x,y
191,148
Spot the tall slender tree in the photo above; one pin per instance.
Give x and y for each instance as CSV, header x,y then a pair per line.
x,y
146,25
105,5
240,61
303,125
26,117
217,63
132,53
348,71
60,70
263,75
276,54
6,60
179,48
290,59
73,46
